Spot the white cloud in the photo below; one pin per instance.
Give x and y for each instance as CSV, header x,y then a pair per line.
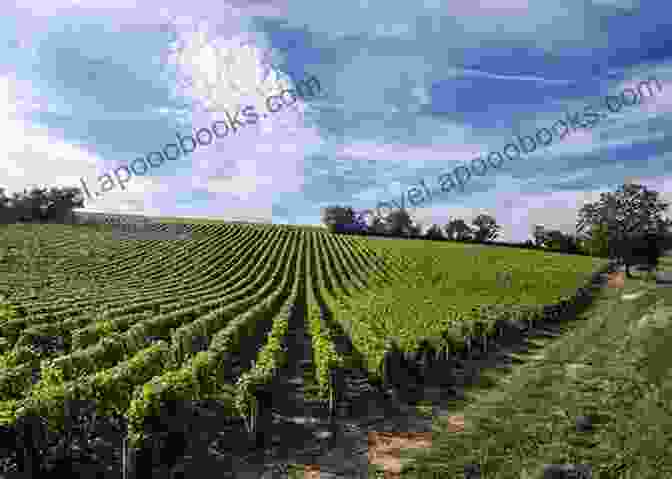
x,y
31,151
404,152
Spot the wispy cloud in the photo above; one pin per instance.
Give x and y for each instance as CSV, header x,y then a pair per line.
x,y
411,91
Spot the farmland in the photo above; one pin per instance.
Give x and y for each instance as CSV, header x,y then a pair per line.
x,y
131,326
598,394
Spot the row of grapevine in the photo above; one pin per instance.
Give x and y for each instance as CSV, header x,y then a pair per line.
x,y
138,284
356,277
12,329
385,321
204,374
272,356
162,321
365,335
113,387
166,295
186,270
77,262
326,358
246,267
114,258
114,347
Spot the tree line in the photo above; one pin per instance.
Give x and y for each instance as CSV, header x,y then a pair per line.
x,y
40,205
626,225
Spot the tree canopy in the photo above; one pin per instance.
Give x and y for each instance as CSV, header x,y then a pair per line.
x,y
486,228
337,217
39,204
458,230
434,233
625,220
555,240
632,209
399,223
608,228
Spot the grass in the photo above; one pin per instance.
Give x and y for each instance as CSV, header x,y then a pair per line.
x,y
614,367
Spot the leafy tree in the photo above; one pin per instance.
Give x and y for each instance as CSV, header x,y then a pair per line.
x,y
358,225
539,235
399,223
559,241
39,204
486,228
627,214
61,201
5,210
643,249
596,242
415,230
555,240
434,233
21,207
458,230
377,226
337,215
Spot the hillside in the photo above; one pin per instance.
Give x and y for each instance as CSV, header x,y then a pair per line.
x,y
267,328
598,394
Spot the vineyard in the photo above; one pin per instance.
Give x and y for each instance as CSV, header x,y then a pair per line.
x,y
132,326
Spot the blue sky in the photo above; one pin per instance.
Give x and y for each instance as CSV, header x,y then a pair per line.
x,y
410,90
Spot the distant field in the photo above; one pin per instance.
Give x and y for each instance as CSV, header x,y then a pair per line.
x,y
141,322
599,394
447,287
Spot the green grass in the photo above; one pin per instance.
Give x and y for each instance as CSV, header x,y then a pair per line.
x,y
614,366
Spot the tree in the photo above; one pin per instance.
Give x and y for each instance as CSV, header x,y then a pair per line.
x,y
39,204
627,214
555,240
415,231
596,242
486,228
61,201
399,223
358,225
337,215
644,249
377,226
5,210
458,230
21,207
434,233
559,241
539,235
